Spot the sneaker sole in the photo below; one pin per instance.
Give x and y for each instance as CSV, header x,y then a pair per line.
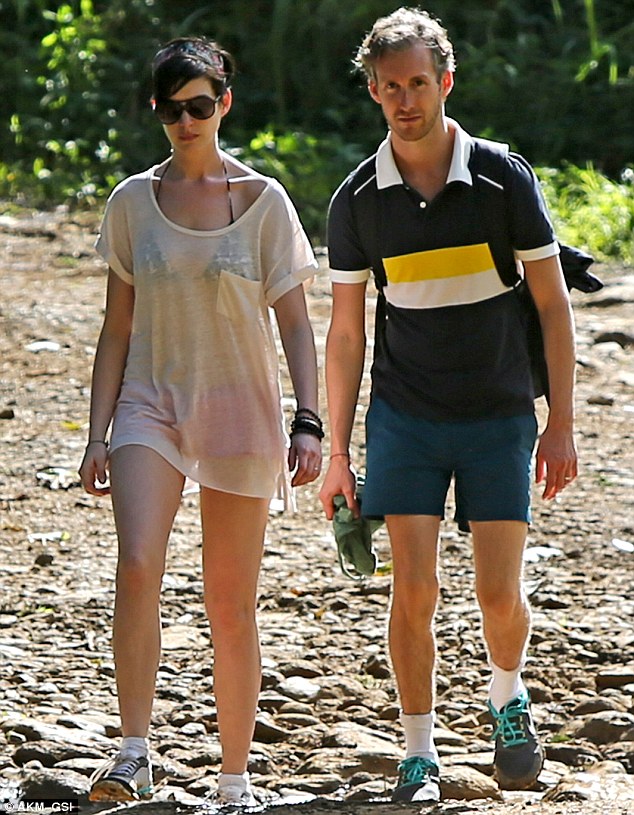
x,y
111,790
517,784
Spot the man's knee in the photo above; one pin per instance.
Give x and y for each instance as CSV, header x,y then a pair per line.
x,y
505,603
415,600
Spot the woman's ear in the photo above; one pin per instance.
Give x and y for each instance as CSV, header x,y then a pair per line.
x,y
227,101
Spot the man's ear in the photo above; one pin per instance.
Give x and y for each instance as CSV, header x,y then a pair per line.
x,y
446,84
373,90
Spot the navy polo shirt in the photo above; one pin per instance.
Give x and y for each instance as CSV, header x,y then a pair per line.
x,y
454,347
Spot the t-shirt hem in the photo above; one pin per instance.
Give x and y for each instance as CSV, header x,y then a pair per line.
x,y
277,502
355,276
291,282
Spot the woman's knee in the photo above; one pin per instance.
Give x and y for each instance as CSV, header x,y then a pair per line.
x,y
137,572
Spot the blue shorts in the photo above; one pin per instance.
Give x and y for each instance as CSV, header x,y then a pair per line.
x,y
411,462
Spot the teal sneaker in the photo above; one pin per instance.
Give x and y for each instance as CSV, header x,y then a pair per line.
x,y
518,754
418,781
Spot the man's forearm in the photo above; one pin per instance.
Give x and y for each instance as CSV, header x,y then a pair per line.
x,y
344,368
557,324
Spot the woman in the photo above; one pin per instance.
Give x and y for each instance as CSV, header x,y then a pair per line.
x,y
198,248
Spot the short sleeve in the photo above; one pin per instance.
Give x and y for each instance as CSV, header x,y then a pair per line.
x,y
113,243
286,255
532,232
347,259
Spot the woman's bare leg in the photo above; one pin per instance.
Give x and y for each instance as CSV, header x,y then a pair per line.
x,y
233,535
146,492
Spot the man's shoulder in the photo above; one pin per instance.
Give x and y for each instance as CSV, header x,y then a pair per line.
x,y
359,179
497,162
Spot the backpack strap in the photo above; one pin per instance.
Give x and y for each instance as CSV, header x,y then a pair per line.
x,y
488,165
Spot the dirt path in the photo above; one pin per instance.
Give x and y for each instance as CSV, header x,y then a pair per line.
x,y
327,726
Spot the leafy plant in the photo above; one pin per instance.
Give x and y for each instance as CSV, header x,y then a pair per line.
x,y
592,210
310,168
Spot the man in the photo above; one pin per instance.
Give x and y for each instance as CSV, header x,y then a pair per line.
x,y
452,396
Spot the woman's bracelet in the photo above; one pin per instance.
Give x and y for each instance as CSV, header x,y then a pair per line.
x,y
307,421
336,455
97,441
310,412
306,426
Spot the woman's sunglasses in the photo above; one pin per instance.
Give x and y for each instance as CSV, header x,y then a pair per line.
x,y
169,111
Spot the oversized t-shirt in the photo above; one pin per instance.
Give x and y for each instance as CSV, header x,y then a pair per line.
x,y
454,344
201,382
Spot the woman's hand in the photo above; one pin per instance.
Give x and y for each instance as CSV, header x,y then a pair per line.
x,y
304,458
94,469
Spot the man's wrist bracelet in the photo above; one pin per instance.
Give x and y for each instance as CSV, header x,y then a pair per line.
x,y
97,441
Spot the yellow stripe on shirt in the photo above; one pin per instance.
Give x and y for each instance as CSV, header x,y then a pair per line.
x,y
437,264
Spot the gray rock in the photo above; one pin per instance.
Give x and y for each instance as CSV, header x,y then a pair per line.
x,y
605,727
267,731
296,707
50,753
321,784
615,678
299,688
597,705
467,784
304,668
605,783
294,720
36,730
54,783
184,637
84,766
573,754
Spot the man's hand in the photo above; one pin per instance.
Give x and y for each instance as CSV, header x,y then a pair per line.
x,y
556,461
339,480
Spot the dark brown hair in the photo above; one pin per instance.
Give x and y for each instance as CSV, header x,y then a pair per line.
x,y
187,58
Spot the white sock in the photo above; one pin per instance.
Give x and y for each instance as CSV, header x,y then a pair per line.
x,y
419,735
135,745
240,780
505,685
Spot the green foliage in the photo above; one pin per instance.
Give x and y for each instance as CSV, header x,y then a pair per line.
x,y
310,168
591,210
555,79
547,78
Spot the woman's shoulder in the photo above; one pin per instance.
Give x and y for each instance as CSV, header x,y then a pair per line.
x,y
251,186
133,185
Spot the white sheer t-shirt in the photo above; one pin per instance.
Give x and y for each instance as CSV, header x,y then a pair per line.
x,y
201,383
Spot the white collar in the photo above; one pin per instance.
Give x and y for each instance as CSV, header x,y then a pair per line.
x,y
387,174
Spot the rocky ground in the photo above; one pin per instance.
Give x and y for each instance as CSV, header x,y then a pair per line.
x,y
326,738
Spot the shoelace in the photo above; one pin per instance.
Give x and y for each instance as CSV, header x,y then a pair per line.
x,y
511,723
415,770
128,766
125,766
